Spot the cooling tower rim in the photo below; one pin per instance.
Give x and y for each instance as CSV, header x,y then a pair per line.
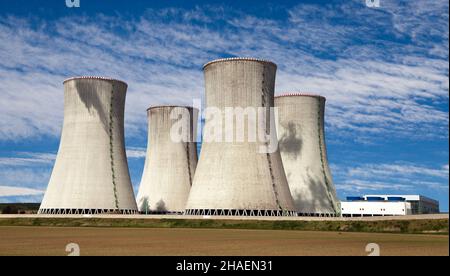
x,y
299,94
94,78
168,106
239,59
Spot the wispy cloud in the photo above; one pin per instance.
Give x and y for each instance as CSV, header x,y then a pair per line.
x,y
403,170
400,177
133,152
7,191
28,159
24,176
358,186
35,176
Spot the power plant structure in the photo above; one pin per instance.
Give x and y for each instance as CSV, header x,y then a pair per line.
x,y
236,178
301,134
238,173
171,159
90,175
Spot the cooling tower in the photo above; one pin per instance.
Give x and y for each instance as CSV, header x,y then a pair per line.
x,y
90,175
235,178
300,130
171,161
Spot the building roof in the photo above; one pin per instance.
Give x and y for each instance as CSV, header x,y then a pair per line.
x,y
392,197
299,94
168,106
239,59
94,78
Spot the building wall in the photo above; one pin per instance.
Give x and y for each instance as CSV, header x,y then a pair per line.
x,y
170,165
367,208
419,204
235,175
301,135
428,206
91,170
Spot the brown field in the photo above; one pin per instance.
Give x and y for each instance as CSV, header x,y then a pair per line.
x,y
222,242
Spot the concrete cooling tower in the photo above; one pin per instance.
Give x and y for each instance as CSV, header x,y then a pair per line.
x,y
234,177
90,175
171,161
300,130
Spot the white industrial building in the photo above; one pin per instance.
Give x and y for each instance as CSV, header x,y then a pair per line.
x,y
388,205
419,204
368,208
301,135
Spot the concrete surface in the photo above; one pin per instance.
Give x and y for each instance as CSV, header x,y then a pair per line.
x,y
301,135
91,170
412,217
235,175
169,165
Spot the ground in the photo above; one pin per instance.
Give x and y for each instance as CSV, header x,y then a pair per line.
x,y
178,241
243,236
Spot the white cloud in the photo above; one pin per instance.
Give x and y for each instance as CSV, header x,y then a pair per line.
x,y
26,169
397,170
8,191
405,177
359,186
28,159
133,152
25,176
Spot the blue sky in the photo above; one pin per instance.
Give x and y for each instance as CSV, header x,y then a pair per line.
x,y
383,70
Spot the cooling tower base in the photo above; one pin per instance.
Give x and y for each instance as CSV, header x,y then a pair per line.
x,y
86,211
321,215
161,213
232,212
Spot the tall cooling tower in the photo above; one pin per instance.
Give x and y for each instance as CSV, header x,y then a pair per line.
x,y
301,135
90,175
171,161
235,178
